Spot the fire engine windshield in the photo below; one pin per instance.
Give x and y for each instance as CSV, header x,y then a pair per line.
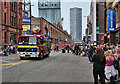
x,y
27,40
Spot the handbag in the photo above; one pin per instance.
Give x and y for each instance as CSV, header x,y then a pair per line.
x,y
116,64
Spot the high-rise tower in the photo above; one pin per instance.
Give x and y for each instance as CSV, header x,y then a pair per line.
x,y
76,23
50,10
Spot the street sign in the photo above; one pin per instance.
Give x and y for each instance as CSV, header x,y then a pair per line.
x,y
26,20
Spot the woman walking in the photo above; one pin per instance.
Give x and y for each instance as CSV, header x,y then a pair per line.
x,y
110,71
98,65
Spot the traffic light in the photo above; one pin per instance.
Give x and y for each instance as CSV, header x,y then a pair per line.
x,y
84,38
97,30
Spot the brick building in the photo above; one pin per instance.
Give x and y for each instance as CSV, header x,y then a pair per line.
x,y
0,24
55,32
114,36
11,21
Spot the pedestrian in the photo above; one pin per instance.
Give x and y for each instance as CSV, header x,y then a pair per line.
x,y
14,49
1,52
5,52
118,60
90,53
7,49
110,71
99,61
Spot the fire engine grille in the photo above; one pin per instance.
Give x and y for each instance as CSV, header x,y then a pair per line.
x,y
27,49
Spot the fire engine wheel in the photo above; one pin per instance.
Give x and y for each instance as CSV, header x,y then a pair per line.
x,y
41,56
22,58
47,55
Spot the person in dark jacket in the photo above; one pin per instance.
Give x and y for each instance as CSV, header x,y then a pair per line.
x,y
98,60
90,53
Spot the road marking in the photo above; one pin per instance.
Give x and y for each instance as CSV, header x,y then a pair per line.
x,y
13,65
10,63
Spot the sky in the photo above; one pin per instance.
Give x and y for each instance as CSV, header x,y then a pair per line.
x,y
65,12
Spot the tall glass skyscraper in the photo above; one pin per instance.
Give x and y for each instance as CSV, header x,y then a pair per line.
x,y
50,10
76,23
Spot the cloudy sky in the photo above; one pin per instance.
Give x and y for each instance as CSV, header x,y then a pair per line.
x,y
65,11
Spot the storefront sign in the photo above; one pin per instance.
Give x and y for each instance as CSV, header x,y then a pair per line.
x,y
111,20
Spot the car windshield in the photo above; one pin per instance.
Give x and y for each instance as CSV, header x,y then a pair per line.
x,y
27,40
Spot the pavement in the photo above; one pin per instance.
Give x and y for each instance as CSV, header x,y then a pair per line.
x,y
59,67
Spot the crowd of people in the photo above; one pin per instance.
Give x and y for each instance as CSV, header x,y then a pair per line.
x,y
105,59
7,50
106,63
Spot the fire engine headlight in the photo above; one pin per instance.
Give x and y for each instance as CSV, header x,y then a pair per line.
x,y
35,53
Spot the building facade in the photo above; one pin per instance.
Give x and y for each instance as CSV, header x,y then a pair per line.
x,y
100,21
51,11
96,22
92,19
11,22
114,36
0,23
55,32
76,24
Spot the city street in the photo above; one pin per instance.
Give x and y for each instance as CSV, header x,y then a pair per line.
x,y
59,67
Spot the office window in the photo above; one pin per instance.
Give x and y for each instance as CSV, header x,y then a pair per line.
x,y
5,37
12,20
55,4
12,6
5,4
19,22
4,18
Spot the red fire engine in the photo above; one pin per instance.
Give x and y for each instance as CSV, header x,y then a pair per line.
x,y
33,46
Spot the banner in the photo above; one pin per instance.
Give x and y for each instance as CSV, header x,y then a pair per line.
x,y
26,27
111,20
